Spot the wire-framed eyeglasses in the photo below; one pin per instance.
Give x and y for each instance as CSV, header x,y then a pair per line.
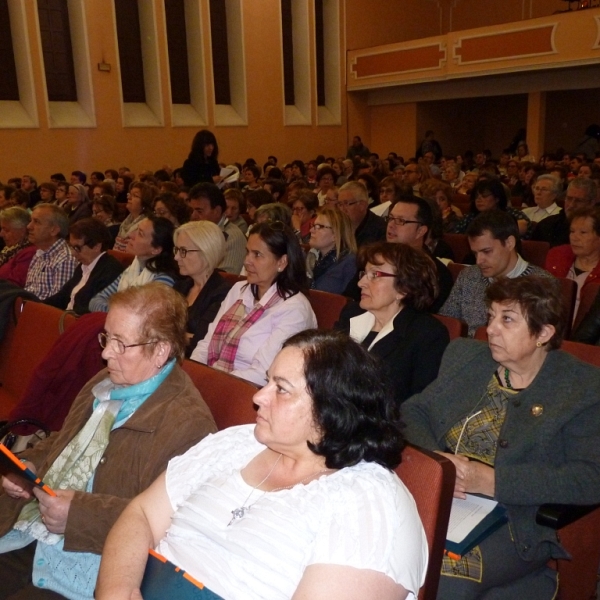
x,y
117,345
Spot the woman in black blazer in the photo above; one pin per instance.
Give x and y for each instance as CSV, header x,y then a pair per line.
x,y
89,239
397,285
199,248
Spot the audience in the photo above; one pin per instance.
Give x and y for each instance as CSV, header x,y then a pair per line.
x,y
353,200
236,207
139,205
545,193
18,252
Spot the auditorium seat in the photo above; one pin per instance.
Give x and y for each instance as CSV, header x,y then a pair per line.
x,y
588,295
327,307
455,269
430,479
535,252
123,257
228,397
456,327
459,244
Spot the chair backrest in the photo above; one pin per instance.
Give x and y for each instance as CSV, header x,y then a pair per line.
x,y
455,269
568,289
36,331
586,299
459,244
231,277
327,307
585,352
228,397
456,327
481,333
430,479
123,257
535,252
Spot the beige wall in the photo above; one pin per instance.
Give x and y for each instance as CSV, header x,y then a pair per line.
x,y
42,151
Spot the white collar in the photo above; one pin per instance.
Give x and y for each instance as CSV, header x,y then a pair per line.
x,y
89,268
249,300
361,326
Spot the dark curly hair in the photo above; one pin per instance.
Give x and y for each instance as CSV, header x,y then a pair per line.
x,y
353,403
415,272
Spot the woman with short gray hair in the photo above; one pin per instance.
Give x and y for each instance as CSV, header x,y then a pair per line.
x,y
545,192
18,251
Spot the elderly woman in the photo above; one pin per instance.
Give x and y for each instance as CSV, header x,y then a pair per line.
x,y
152,246
397,285
332,238
89,240
139,205
170,206
78,205
18,251
517,429
489,194
546,190
579,260
123,428
316,510
199,248
104,209
259,314
467,184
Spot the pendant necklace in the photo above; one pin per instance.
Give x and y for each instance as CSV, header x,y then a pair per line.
x,y
240,512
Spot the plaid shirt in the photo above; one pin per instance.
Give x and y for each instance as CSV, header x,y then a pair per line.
x,y
50,270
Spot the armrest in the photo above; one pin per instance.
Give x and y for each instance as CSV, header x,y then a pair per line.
x,y
558,516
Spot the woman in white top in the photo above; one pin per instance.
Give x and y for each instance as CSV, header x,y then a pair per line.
x,y
139,204
259,314
302,505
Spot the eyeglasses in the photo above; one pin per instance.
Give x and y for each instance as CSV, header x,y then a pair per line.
x,y
350,203
183,251
298,209
400,221
318,226
161,213
373,275
76,247
537,188
118,346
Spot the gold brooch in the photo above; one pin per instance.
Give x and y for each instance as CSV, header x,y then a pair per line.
x,y
537,410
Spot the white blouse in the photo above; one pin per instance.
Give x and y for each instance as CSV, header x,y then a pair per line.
x,y
261,343
360,516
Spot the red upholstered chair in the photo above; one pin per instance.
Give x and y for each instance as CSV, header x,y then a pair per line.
x,y
588,295
569,296
455,269
481,333
123,257
37,328
459,244
228,397
430,479
456,327
327,307
535,252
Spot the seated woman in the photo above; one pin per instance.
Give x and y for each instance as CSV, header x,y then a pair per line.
x,y
152,246
397,285
89,240
18,251
236,207
274,211
520,420
489,194
259,314
467,184
123,428
78,204
303,207
579,260
170,206
199,248
254,200
303,504
104,209
139,205
443,195
332,238
326,177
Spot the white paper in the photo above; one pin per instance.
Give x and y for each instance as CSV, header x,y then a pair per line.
x,y
466,515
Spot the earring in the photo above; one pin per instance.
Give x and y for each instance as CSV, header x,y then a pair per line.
x,y
539,344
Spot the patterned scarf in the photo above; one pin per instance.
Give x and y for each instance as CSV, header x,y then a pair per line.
x,y
8,252
223,346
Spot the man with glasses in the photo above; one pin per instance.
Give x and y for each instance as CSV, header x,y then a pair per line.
x,y
353,200
89,239
409,222
208,204
545,192
413,176
581,193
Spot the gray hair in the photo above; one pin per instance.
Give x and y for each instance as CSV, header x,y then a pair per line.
x,y
556,188
18,217
206,236
359,191
58,217
589,185
274,211
81,191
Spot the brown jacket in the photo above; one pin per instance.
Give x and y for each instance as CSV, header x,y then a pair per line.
x,y
170,421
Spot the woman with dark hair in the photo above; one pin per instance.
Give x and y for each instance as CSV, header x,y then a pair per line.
x,y
490,194
152,246
170,206
256,199
304,206
139,205
123,184
397,284
202,163
259,314
520,420
303,504
104,209
326,177
332,238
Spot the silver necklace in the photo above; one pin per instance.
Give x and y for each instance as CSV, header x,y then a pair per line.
x,y
240,512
